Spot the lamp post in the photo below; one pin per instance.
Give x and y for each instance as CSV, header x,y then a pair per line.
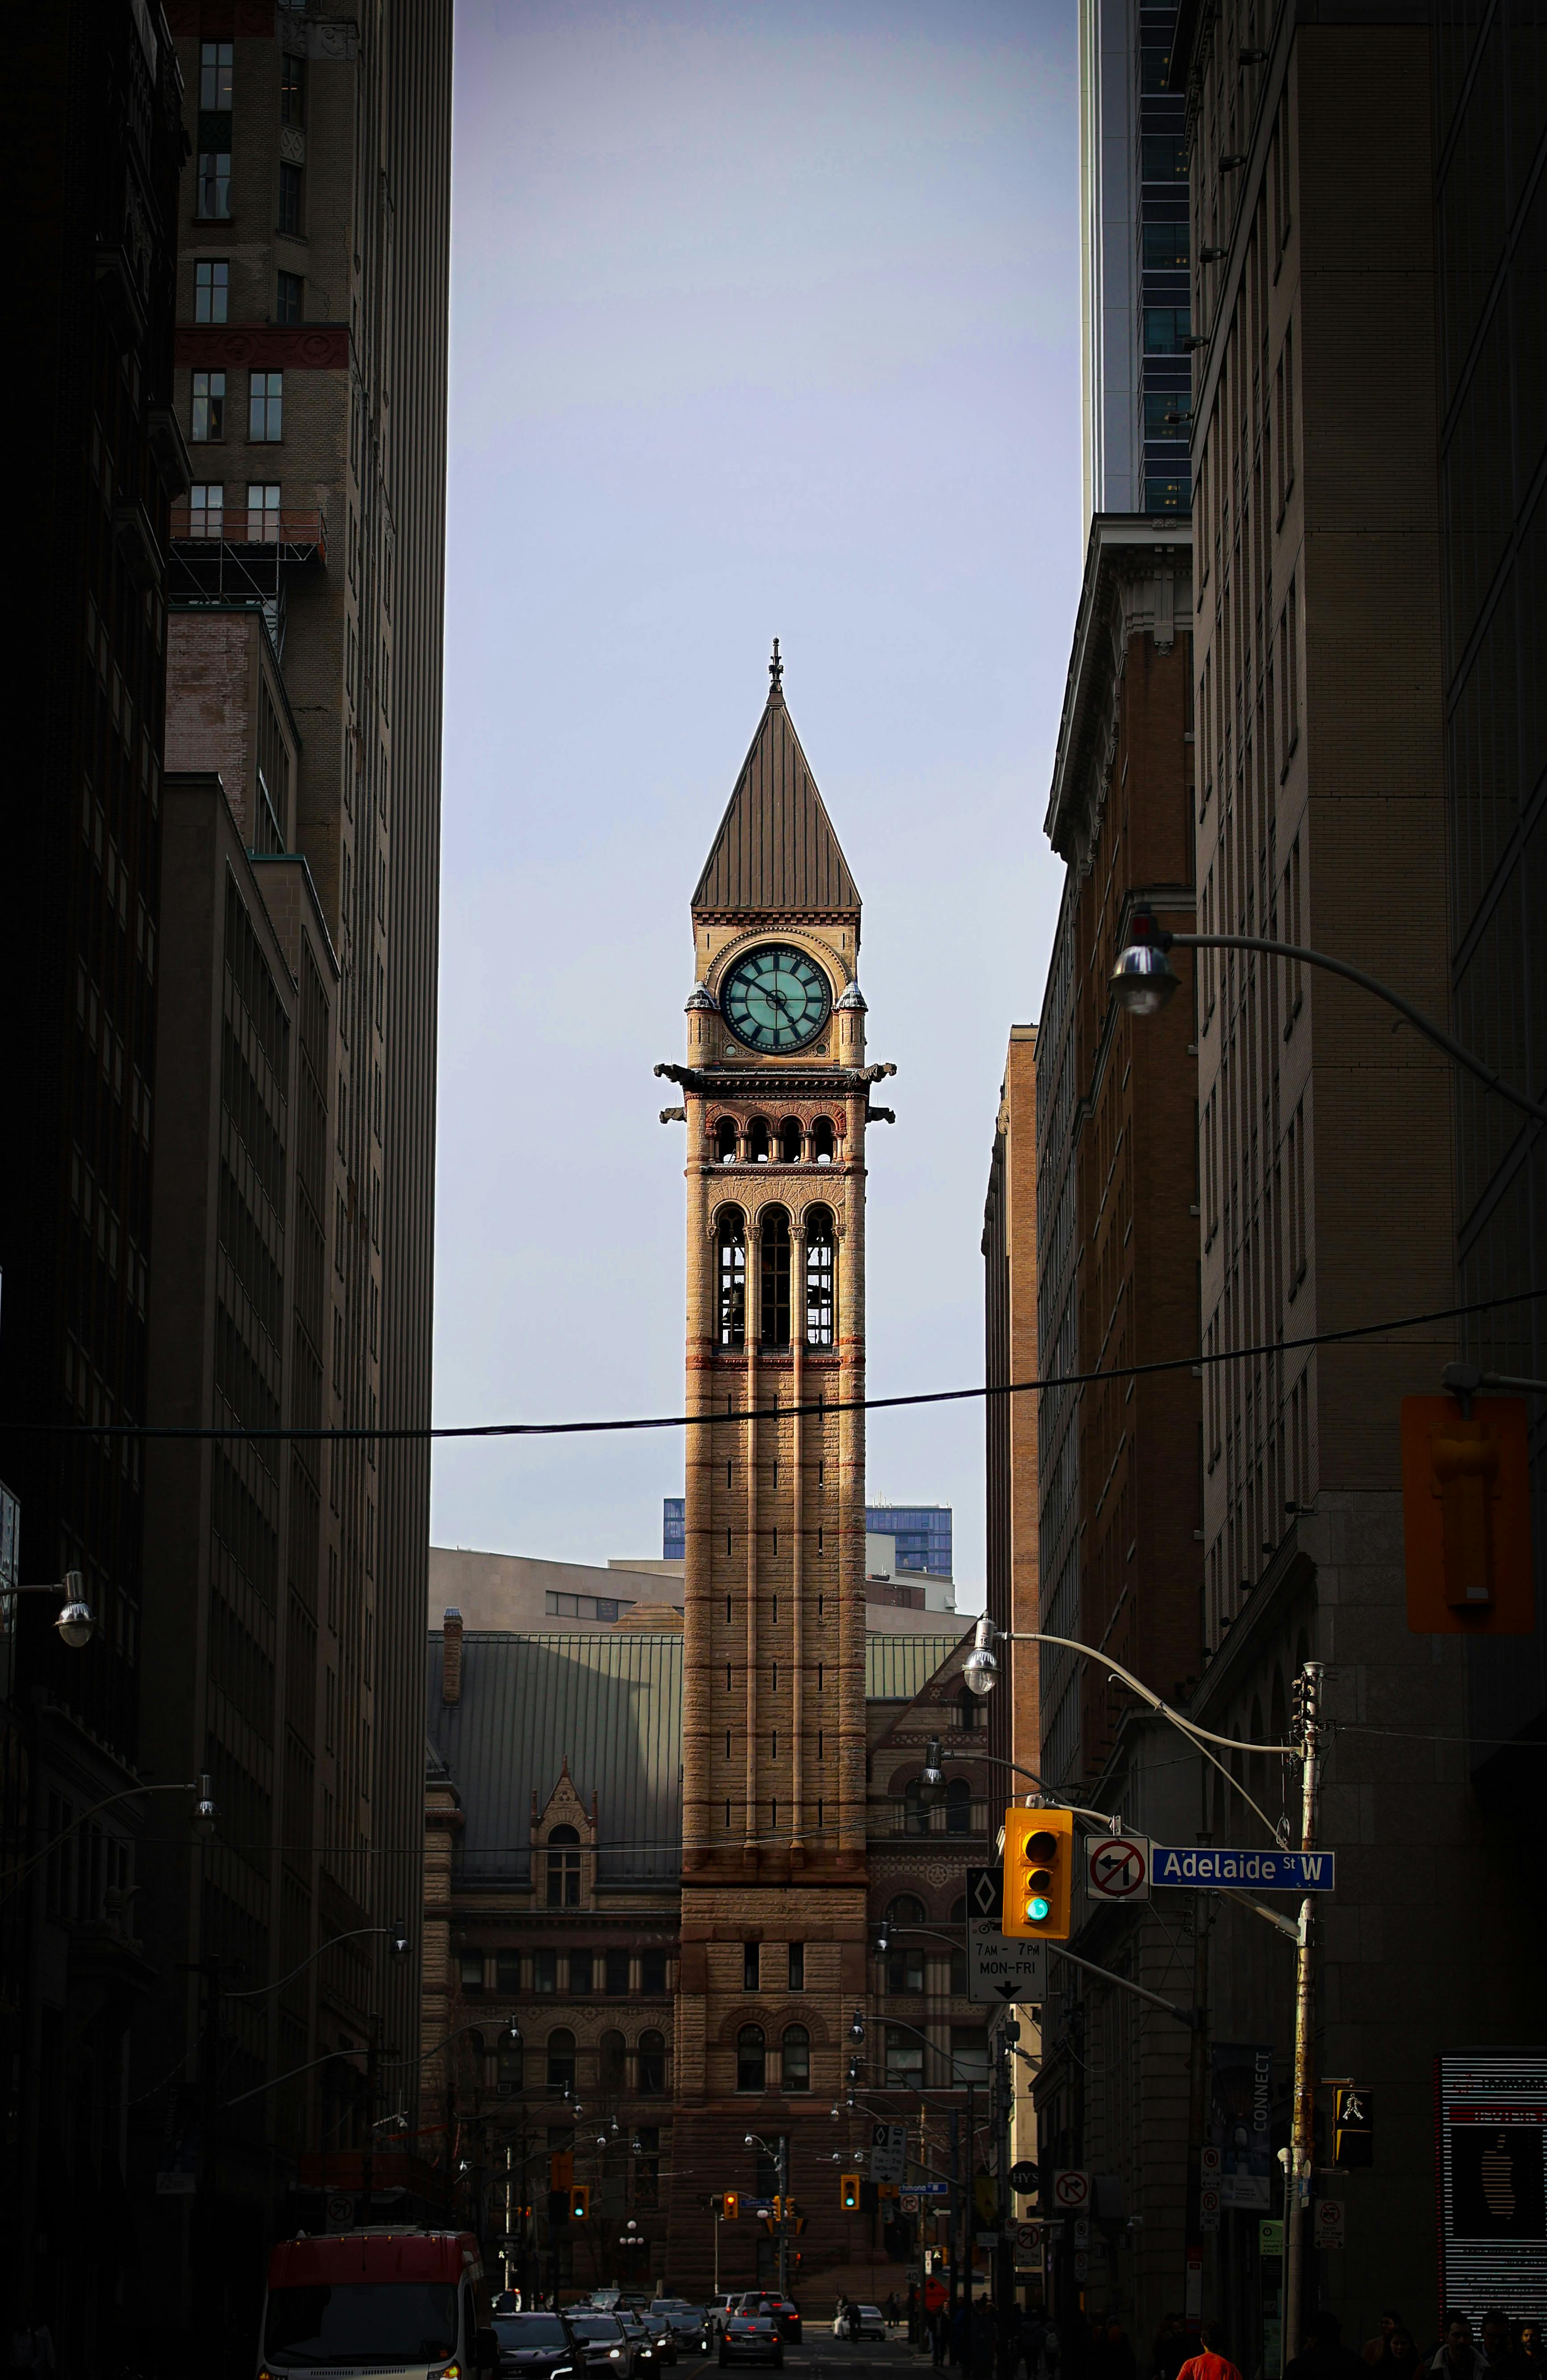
x,y
779,2152
1144,979
77,1621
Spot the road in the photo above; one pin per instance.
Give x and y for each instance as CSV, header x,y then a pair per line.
x,y
842,2358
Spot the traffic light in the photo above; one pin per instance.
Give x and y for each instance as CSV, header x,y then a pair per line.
x,y
1038,1870
1353,2129
732,2205
848,2192
579,2201
1467,1517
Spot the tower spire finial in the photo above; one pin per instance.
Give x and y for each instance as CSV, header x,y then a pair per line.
x,y
776,670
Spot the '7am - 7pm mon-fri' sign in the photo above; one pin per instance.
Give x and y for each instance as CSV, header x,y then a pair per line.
x,y
1268,1871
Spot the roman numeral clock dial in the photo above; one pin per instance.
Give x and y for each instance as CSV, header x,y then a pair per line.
x,y
777,1000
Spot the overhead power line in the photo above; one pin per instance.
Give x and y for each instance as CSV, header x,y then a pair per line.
x,y
386,1434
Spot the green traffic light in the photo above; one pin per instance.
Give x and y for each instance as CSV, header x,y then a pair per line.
x,y
1038,1908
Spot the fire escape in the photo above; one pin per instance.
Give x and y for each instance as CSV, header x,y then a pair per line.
x,y
237,555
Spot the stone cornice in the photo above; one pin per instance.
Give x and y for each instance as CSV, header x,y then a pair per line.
x,y
262,346
737,1081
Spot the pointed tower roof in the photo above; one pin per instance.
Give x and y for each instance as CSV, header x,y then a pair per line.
x,y
775,849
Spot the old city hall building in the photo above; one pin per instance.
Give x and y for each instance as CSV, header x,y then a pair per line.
x,y
704,1813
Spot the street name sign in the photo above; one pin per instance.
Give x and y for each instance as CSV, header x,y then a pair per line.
x,y
1002,1969
1117,1868
1266,1871
931,2189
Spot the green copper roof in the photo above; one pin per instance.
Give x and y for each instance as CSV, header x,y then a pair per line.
x,y
898,1667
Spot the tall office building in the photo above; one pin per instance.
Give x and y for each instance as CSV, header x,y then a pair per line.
x,y
922,1533
1009,1251
1134,298
297,1061
94,157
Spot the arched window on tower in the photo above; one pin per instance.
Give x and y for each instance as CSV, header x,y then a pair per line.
x,y
821,1135
560,2059
612,2063
509,2068
725,1140
731,1248
796,2059
757,1135
958,1807
789,1141
751,2059
821,1316
652,2063
774,1286
563,1868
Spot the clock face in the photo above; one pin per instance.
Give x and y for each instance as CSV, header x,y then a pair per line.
x,y
775,999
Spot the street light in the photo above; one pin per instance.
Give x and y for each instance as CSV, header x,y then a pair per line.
x,y
1144,980
77,1621
979,1670
206,1814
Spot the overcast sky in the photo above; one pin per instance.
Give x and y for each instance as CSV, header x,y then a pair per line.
x,y
764,321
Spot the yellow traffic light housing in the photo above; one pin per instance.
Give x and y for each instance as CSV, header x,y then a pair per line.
x,y
848,2192
1038,1874
579,2201
732,2206
1467,1517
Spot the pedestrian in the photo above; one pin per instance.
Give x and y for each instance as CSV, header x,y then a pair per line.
x,y
1374,2350
1402,2361
938,2337
1171,2346
1032,2332
893,2316
31,2348
1499,2347
1533,2348
1456,2358
1211,2362
1322,2355
982,2340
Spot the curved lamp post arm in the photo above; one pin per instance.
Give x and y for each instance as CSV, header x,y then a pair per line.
x,y
981,1665
396,1934
1150,938
205,1808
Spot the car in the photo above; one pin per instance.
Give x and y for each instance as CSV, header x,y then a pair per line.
x,y
650,2356
691,2322
872,2324
606,2350
539,2346
752,2339
661,2330
716,2309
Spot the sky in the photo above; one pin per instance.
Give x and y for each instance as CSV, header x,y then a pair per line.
x,y
764,322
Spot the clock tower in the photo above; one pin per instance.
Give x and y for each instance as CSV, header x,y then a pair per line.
x,y
776,1097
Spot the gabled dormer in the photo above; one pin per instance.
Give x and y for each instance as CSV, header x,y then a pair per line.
x,y
564,1847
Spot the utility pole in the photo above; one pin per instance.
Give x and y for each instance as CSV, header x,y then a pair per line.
x,y
955,2202
368,2160
1003,2091
1307,1697
783,2215
1198,2108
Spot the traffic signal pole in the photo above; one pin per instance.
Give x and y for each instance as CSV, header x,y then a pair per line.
x,y
1302,2136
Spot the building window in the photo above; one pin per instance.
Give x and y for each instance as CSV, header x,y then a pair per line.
x,y
563,1868
1166,247
797,2058
904,1969
561,2060
970,2054
207,422
215,60
905,2060
211,290
1164,157
287,298
958,1807
470,1967
612,2062
652,2063
265,409
798,1966
214,184
652,1971
758,1140
618,1974
822,1140
774,1276
916,1807
751,2059
579,1973
206,508
507,1971
509,2068
1166,330
789,1141
819,1279
647,2166
751,1962
262,512
292,89
1167,414
290,200
732,1242
725,1140
544,1970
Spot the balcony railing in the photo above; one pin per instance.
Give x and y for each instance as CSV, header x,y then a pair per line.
x,y
299,535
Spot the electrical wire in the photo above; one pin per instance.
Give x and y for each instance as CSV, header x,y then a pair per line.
x,y
385,1434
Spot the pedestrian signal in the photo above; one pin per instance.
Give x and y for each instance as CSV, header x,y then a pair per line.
x,y
732,2205
848,2192
1353,2129
1038,1869
579,2201
1467,1517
